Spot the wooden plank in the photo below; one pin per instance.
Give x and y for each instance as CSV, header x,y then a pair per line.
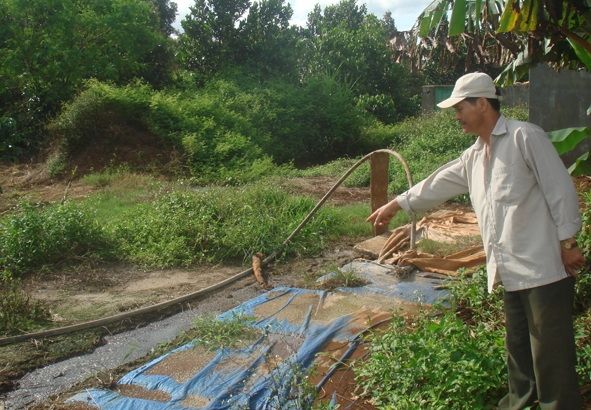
x,y
379,163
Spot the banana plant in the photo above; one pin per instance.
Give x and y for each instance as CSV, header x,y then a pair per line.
x,y
565,140
517,35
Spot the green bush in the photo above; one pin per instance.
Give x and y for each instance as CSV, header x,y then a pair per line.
x,y
434,363
225,128
219,224
438,361
35,236
97,112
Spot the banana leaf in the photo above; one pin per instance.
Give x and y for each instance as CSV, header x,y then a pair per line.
x,y
582,166
566,139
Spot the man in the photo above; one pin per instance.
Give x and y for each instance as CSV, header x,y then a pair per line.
x,y
528,215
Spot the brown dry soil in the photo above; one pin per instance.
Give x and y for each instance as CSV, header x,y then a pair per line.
x,y
94,291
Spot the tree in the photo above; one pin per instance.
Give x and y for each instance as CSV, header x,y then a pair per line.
x,y
516,35
352,45
221,34
48,47
211,37
270,41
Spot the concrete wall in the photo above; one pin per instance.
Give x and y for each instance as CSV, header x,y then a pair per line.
x,y
515,96
560,100
510,97
430,96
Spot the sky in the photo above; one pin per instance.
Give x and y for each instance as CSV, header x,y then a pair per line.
x,y
404,12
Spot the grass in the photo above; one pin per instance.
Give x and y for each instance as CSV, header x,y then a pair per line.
x,y
215,334
333,277
18,312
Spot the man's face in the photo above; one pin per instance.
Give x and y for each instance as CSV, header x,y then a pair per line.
x,y
469,116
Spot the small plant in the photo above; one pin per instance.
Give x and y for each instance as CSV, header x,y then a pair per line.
x,y
332,277
18,313
56,165
454,359
215,334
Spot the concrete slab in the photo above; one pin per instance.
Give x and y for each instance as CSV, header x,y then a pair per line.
x,y
370,249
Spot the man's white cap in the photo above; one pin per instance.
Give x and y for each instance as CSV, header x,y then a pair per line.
x,y
470,85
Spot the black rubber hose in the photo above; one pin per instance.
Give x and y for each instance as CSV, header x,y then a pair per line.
x,y
127,315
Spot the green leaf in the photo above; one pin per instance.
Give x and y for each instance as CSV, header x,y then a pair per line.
x,y
583,55
458,18
582,166
425,25
567,139
514,71
509,17
529,12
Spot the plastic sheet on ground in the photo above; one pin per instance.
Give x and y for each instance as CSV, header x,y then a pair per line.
x,y
295,325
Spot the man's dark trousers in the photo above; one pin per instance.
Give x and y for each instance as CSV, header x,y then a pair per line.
x,y
541,355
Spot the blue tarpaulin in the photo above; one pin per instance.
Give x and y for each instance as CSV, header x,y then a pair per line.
x,y
294,326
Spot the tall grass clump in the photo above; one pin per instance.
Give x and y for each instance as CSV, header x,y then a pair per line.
x,y
18,312
218,224
35,236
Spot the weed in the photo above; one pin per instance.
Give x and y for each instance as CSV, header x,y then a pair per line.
x,y
36,236
441,361
433,363
337,278
18,313
56,165
215,334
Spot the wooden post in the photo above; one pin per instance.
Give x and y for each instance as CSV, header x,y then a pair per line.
x,y
379,163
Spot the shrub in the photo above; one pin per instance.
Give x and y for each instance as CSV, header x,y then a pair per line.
x,y
217,224
434,363
438,361
97,112
35,236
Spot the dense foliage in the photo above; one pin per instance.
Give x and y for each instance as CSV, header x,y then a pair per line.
x,y
238,85
173,229
452,357
225,128
48,47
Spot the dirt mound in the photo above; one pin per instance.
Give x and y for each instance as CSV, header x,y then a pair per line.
x,y
125,146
